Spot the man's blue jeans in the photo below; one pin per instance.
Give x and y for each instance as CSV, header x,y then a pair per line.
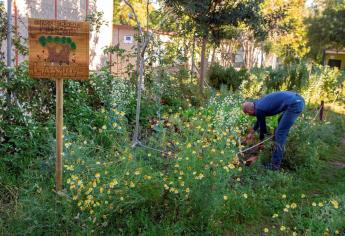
x,y
286,120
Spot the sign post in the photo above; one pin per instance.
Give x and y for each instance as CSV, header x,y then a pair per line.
x,y
59,135
58,49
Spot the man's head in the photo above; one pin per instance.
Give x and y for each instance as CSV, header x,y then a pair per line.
x,y
248,108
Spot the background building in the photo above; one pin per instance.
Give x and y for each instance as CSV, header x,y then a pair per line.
x,y
334,58
77,10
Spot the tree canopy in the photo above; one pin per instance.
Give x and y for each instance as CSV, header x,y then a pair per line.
x,y
326,28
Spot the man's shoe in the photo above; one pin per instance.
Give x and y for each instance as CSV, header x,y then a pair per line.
x,y
272,166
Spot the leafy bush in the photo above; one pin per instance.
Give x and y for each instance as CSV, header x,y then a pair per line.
x,y
27,124
187,180
326,84
230,77
315,84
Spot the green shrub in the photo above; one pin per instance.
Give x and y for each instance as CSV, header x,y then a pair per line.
x,y
230,77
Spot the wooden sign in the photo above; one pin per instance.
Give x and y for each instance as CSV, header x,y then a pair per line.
x,y
58,49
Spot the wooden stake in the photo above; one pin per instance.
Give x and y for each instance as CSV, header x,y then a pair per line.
x,y
321,110
59,141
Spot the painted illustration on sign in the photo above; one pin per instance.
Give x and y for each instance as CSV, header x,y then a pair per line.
x,y
58,49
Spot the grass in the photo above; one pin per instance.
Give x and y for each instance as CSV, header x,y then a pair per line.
x,y
30,207
328,182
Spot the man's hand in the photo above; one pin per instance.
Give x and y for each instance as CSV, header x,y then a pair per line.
x,y
251,160
250,137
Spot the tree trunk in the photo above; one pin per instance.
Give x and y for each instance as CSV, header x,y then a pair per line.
x,y
192,66
213,55
139,90
203,63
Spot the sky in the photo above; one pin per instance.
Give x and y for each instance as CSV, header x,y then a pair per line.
x,y
309,3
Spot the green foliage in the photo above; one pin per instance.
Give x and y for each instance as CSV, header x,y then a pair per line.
x,y
3,27
60,40
122,13
326,84
195,184
288,38
326,28
229,77
314,82
212,18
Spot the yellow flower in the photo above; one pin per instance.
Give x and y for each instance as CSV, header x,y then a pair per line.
x,y
101,190
97,175
282,228
335,204
313,204
245,195
132,185
225,198
200,176
187,190
266,230
293,205
320,204
294,234
189,145
337,232
286,209
104,127
283,196
275,215
113,183
137,172
94,184
147,177
302,196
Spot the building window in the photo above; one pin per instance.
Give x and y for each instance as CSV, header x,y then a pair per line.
x,y
128,39
334,63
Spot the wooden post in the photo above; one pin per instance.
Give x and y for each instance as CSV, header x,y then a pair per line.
x,y
59,141
321,110
42,66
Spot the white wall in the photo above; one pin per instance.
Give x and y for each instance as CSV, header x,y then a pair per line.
x,y
104,38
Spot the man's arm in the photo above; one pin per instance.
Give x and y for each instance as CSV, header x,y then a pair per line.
x,y
256,126
261,123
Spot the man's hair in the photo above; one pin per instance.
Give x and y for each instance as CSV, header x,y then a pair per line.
x,y
248,107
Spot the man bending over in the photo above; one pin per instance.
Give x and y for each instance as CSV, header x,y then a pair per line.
x,y
289,104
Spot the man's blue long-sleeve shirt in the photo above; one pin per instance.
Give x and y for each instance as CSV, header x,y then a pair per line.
x,y
269,105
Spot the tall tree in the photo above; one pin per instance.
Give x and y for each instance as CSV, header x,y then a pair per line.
x,y
326,27
122,11
289,40
211,18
